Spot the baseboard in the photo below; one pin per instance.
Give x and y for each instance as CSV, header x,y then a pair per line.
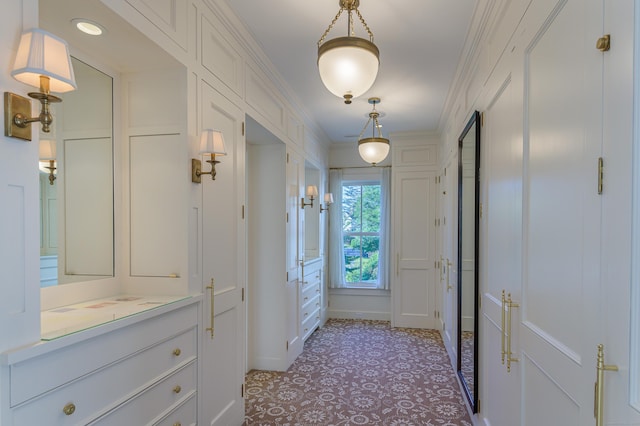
x,y
374,316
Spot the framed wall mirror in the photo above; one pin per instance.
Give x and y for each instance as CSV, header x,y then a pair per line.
x,y
468,238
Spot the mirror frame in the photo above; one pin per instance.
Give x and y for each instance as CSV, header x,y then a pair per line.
x,y
471,393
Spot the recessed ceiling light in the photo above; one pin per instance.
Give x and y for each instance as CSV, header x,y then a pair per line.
x,y
88,27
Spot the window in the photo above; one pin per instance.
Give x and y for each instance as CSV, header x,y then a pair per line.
x,y
361,232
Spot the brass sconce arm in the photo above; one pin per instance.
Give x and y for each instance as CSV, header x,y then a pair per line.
x,y
196,169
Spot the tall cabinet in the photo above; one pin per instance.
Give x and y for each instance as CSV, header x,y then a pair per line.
x,y
554,230
414,201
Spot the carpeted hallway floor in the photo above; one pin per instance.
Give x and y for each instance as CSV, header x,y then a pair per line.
x,y
360,373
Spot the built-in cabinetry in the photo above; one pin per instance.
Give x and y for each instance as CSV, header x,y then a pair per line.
x,y
311,297
414,201
553,253
138,370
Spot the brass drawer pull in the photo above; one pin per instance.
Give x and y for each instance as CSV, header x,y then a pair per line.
x,y
69,409
177,424
177,352
177,389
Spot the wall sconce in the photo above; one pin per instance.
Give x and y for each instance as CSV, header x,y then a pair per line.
x,y
42,61
328,200
48,158
211,142
312,193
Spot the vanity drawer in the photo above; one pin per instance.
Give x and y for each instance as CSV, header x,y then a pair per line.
x,y
184,415
37,375
164,396
309,308
310,291
104,389
310,324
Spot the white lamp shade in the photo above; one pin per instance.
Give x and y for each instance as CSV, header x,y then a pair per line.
x,y
348,65
328,198
312,191
373,150
212,142
42,53
47,149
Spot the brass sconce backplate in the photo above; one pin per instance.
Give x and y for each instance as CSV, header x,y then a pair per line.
x,y
15,104
196,169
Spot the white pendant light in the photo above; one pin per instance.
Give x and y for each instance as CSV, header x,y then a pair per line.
x,y
348,65
375,149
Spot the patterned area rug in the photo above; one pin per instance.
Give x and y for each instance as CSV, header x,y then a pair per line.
x,y
360,373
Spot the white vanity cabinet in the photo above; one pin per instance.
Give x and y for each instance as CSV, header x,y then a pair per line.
x,y
310,297
141,369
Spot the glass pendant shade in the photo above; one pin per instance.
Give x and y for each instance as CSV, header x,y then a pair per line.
x,y
373,150
348,66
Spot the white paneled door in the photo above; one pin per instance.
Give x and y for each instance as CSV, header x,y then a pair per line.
x,y
223,270
563,309
414,279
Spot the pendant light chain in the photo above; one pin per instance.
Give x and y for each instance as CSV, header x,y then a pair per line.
x,y
331,25
364,24
351,28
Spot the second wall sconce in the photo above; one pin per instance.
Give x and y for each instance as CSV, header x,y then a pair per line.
x,y
42,61
312,193
211,142
328,200
48,158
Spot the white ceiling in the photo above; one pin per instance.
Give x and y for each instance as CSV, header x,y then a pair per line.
x,y
420,43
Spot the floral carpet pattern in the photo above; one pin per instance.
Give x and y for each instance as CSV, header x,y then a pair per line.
x,y
360,373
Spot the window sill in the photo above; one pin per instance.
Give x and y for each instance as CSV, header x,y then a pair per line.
x,y
361,291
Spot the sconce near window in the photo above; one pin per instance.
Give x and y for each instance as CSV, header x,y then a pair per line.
x,y
42,61
312,193
48,158
211,142
328,200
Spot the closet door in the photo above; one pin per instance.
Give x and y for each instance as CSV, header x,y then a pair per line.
x,y
560,306
414,278
223,326
620,287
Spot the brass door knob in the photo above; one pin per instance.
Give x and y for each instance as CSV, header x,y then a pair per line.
x,y
177,351
177,389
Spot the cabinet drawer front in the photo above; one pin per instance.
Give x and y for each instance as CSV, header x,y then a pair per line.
x,y
309,292
165,396
184,415
310,308
106,388
310,324
37,375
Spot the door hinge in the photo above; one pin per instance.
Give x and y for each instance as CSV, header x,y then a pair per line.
x,y
287,217
242,390
478,406
287,281
287,345
287,157
243,211
600,174
243,294
445,171
444,221
243,128
482,119
604,43
480,208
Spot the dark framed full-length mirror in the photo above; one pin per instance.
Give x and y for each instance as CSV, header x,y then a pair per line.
x,y
468,238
